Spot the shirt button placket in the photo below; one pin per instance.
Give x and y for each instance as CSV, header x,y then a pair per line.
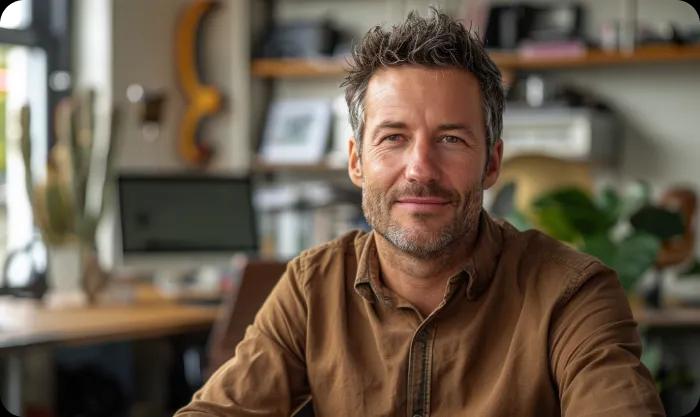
x,y
419,355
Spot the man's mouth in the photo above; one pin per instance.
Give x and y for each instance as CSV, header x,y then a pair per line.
x,y
422,204
423,200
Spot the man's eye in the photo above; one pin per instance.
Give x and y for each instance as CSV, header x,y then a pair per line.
x,y
451,139
393,138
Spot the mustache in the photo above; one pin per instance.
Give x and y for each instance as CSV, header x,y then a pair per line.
x,y
422,190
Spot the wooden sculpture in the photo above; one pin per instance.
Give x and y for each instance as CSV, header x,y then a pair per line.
x,y
201,100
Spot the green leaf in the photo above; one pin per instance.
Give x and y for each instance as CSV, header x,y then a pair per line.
x,y
601,247
58,210
574,208
662,223
634,256
610,206
552,220
629,258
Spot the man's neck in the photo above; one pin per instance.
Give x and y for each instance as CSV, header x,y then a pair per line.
x,y
422,282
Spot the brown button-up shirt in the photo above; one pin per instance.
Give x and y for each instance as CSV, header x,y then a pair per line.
x,y
529,328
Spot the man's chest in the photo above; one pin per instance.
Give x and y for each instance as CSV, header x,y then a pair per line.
x,y
388,362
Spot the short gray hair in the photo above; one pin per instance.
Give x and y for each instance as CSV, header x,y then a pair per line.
x,y
438,41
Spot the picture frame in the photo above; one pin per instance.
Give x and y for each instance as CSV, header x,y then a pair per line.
x,y
342,131
296,131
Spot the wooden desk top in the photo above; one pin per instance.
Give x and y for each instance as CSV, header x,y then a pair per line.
x,y
669,318
26,323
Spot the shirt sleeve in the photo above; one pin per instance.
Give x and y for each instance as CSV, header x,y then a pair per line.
x,y
595,352
267,374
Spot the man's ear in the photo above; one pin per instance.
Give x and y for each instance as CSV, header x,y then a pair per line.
x,y
493,165
354,162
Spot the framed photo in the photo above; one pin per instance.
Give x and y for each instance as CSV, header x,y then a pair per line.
x,y
296,131
338,155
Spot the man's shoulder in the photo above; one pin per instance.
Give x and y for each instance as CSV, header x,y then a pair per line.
x,y
545,248
545,261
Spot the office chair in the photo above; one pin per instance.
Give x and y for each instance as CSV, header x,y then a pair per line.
x,y
238,311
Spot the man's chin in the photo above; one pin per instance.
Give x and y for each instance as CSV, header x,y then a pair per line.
x,y
420,251
418,243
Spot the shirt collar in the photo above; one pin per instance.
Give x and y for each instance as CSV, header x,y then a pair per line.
x,y
485,257
479,269
367,282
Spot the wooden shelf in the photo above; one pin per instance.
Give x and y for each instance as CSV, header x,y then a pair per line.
x,y
507,61
596,58
674,317
321,168
297,68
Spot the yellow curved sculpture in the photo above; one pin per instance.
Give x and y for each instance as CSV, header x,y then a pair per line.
x,y
201,100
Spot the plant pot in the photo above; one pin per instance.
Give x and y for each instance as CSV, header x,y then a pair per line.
x,y
74,275
65,272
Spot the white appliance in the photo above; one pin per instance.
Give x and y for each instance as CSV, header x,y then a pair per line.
x,y
578,134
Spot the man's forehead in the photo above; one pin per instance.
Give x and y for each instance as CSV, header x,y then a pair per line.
x,y
389,88
427,73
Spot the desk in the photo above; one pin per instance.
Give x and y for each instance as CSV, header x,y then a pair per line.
x,y
668,318
27,323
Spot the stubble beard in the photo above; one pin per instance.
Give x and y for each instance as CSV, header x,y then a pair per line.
x,y
417,242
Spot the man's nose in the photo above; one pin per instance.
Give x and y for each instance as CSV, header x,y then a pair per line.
x,y
422,165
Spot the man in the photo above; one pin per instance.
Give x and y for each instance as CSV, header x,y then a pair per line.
x,y
439,310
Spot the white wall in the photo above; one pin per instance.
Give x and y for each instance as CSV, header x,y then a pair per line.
x,y
143,42
123,42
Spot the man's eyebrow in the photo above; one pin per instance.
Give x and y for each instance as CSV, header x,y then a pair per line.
x,y
457,126
390,124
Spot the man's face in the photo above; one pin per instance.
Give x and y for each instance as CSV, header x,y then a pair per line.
x,y
423,162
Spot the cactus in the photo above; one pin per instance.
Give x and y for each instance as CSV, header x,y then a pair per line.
x,y
68,205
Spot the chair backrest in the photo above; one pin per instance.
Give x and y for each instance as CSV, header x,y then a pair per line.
x,y
258,279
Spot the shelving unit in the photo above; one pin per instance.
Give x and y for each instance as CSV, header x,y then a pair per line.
x,y
597,58
507,61
292,77
322,168
297,68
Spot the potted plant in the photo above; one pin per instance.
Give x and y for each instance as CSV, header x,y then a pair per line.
x,y
68,204
624,230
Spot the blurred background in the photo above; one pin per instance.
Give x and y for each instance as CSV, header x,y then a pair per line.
x,y
161,160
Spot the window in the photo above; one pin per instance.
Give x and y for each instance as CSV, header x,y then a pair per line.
x,y
34,71
17,15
